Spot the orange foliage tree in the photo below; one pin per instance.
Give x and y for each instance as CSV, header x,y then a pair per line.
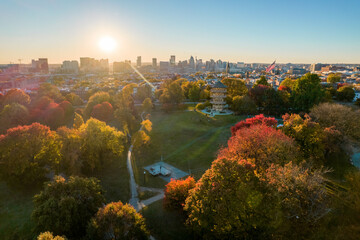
x,y
176,191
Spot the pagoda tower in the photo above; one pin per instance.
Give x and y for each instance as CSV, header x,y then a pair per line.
x,y
218,95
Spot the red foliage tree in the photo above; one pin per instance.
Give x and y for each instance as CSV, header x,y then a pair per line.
x,y
103,112
284,88
176,192
264,144
54,115
68,108
258,119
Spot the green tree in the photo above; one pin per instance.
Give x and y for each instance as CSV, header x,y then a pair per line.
x,y
13,115
345,93
262,81
117,221
147,105
333,78
100,144
235,87
288,82
307,92
74,99
28,153
47,89
194,93
65,207
243,105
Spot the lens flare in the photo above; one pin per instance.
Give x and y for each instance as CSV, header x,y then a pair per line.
x,y
107,44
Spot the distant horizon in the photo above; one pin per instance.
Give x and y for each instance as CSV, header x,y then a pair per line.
x,y
307,31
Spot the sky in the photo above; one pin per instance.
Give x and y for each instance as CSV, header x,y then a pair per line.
x,y
307,31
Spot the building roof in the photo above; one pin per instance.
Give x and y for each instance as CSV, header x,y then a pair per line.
x,y
219,84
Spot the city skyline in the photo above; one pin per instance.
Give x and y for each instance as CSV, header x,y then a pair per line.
x,y
236,31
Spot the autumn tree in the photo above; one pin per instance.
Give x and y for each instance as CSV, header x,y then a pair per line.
x,y
194,93
176,192
78,121
54,116
144,91
103,112
65,207
117,221
51,91
16,96
229,202
49,236
100,144
262,81
258,119
264,144
345,93
307,92
95,99
28,153
288,82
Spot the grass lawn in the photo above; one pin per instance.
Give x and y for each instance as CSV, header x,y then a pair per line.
x,y
165,224
186,139
15,212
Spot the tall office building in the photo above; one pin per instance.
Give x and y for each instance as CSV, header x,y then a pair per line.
x,y
154,62
122,67
70,66
40,65
172,60
138,61
192,62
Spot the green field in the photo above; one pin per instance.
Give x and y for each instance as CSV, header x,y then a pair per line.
x,y
187,140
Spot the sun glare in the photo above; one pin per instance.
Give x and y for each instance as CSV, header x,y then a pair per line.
x,y
107,44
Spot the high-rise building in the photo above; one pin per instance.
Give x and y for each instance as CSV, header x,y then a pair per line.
x,y
192,62
172,60
92,65
154,62
316,67
164,66
40,65
70,66
122,67
138,61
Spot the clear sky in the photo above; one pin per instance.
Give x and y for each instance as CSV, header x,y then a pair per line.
x,y
306,31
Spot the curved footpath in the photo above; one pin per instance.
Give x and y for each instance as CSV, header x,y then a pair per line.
x,y
134,200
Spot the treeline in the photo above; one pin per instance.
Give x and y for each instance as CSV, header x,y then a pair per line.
x,y
293,182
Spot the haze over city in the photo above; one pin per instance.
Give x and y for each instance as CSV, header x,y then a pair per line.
x,y
248,31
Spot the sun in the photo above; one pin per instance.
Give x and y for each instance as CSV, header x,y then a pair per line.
x,y
107,44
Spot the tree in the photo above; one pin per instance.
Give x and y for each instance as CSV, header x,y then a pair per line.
x,y
307,92
303,197
262,81
176,192
144,91
68,110
147,105
258,119
258,93
243,105
204,94
74,99
194,93
100,144
308,134
13,115
28,153
16,96
78,121
345,119
54,116
333,78
147,125
235,87
65,207
264,144
95,99
117,221
51,91
71,163
288,82
345,93
228,202
49,236
103,112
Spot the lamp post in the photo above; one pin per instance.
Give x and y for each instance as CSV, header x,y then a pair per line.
x,y
144,177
